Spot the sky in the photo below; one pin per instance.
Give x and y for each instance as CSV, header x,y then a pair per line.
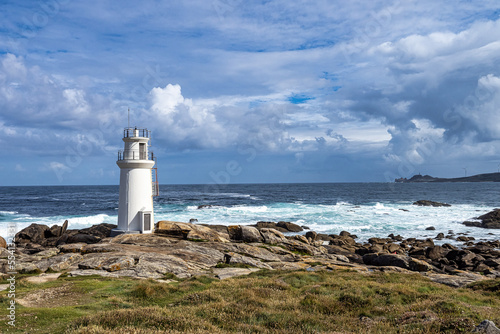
x,y
250,91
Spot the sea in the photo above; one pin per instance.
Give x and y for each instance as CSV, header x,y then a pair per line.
x,y
364,209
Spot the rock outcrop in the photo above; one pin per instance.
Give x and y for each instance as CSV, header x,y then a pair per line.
x,y
3,243
489,220
486,327
188,231
281,226
430,203
186,249
37,235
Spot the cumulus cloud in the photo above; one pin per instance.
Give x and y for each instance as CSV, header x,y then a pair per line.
x,y
30,97
417,143
482,107
180,121
387,82
233,122
42,114
442,93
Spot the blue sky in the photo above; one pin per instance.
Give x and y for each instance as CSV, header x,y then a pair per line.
x,y
250,91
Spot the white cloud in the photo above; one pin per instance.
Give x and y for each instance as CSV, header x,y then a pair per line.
x,y
483,106
56,166
184,123
413,67
19,168
420,142
231,122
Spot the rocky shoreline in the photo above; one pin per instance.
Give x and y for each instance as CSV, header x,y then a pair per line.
x,y
189,249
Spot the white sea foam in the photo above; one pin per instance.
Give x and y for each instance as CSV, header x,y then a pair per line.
x,y
7,213
367,220
87,221
245,209
371,220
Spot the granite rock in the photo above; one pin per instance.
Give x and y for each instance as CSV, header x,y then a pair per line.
x,y
430,203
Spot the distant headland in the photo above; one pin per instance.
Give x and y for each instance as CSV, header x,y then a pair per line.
x,y
490,177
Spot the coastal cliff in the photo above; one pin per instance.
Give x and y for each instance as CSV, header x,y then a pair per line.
x,y
489,177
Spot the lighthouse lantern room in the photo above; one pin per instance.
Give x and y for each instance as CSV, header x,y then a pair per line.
x,y
138,183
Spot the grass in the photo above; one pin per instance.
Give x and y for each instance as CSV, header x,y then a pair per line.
x,y
263,302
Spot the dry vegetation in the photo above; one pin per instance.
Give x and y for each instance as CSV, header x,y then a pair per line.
x,y
264,302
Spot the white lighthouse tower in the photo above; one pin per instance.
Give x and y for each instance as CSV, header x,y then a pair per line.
x,y
137,188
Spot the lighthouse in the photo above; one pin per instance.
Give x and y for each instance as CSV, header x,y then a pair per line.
x,y
138,183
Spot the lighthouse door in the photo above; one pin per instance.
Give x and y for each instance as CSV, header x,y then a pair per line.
x,y
142,151
145,217
147,221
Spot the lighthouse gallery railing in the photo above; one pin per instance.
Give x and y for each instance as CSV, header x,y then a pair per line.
x,y
135,132
135,155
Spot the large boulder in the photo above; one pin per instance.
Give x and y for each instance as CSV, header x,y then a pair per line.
x,y
430,203
82,238
311,235
57,235
281,226
173,229
250,234
436,252
272,236
188,231
488,220
392,260
202,233
221,229
100,231
56,231
379,241
302,248
35,233
290,227
263,224
234,232
419,265
3,243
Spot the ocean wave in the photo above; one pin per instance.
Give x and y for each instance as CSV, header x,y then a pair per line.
x,y
369,219
232,195
8,213
343,203
87,221
245,208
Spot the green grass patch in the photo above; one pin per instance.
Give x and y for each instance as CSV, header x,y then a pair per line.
x,y
263,302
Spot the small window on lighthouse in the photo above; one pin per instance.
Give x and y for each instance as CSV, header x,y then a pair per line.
x,y
142,151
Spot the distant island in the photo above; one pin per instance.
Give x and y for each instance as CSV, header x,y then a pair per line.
x,y
490,177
